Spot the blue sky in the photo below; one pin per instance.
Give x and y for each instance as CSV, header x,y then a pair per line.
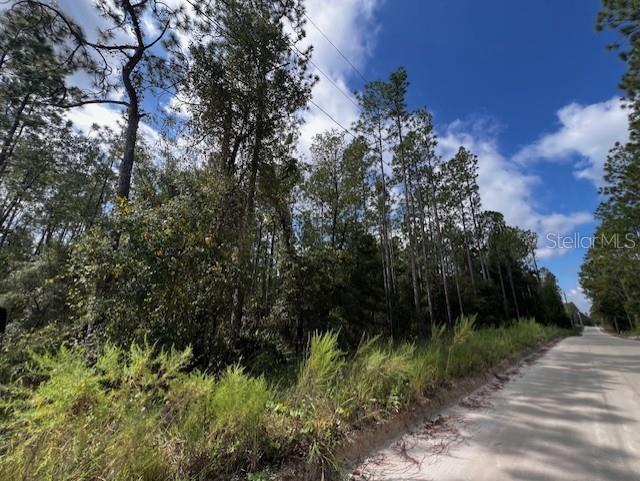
x,y
528,86
517,61
498,72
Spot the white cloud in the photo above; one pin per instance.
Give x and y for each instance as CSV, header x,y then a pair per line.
x,y
588,131
578,297
350,26
506,188
84,118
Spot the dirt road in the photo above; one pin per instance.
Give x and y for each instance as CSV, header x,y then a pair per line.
x,y
571,415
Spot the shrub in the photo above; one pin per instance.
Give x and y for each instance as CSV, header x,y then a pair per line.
x,y
137,415
92,422
73,428
18,344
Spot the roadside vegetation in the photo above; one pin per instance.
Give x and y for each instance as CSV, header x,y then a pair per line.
x,y
142,414
609,274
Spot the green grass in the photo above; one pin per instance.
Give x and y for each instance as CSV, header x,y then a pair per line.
x,y
138,415
635,332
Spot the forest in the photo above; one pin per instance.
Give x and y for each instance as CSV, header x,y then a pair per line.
x,y
609,274
213,274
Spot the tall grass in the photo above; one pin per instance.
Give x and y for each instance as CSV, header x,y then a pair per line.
x,y
138,415
635,331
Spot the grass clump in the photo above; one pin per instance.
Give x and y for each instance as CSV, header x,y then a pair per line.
x,y
239,403
133,415
78,425
140,415
321,370
376,379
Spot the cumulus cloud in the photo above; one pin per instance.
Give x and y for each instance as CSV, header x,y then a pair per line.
x,y
350,25
85,117
585,132
507,188
584,137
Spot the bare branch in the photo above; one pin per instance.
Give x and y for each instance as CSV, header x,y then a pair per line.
x,y
159,37
81,103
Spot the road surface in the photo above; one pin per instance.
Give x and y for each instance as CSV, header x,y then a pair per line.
x,y
572,415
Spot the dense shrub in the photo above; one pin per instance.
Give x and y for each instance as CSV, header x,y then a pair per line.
x,y
18,345
132,415
138,414
35,292
131,291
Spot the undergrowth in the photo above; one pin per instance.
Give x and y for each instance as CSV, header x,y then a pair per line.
x,y
139,415
635,331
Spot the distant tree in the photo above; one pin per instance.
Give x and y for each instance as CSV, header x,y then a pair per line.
x,y
371,126
333,191
395,92
246,92
554,310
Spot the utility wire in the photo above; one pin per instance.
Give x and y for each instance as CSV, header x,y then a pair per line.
x,y
297,52
335,46
301,55
334,120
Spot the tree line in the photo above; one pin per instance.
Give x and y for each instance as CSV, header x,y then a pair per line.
x,y
609,274
218,233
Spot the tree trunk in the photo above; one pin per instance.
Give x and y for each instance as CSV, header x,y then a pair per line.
x,y
334,209
504,292
248,220
133,109
425,263
126,166
7,229
456,274
465,233
9,138
100,200
476,234
439,244
412,255
513,291
387,246
615,324
467,248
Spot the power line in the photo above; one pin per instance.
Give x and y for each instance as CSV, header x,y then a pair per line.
x,y
300,54
335,46
334,120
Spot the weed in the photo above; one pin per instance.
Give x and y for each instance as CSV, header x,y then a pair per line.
x,y
137,414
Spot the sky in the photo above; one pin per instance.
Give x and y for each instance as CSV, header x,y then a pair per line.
x,y
527,86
